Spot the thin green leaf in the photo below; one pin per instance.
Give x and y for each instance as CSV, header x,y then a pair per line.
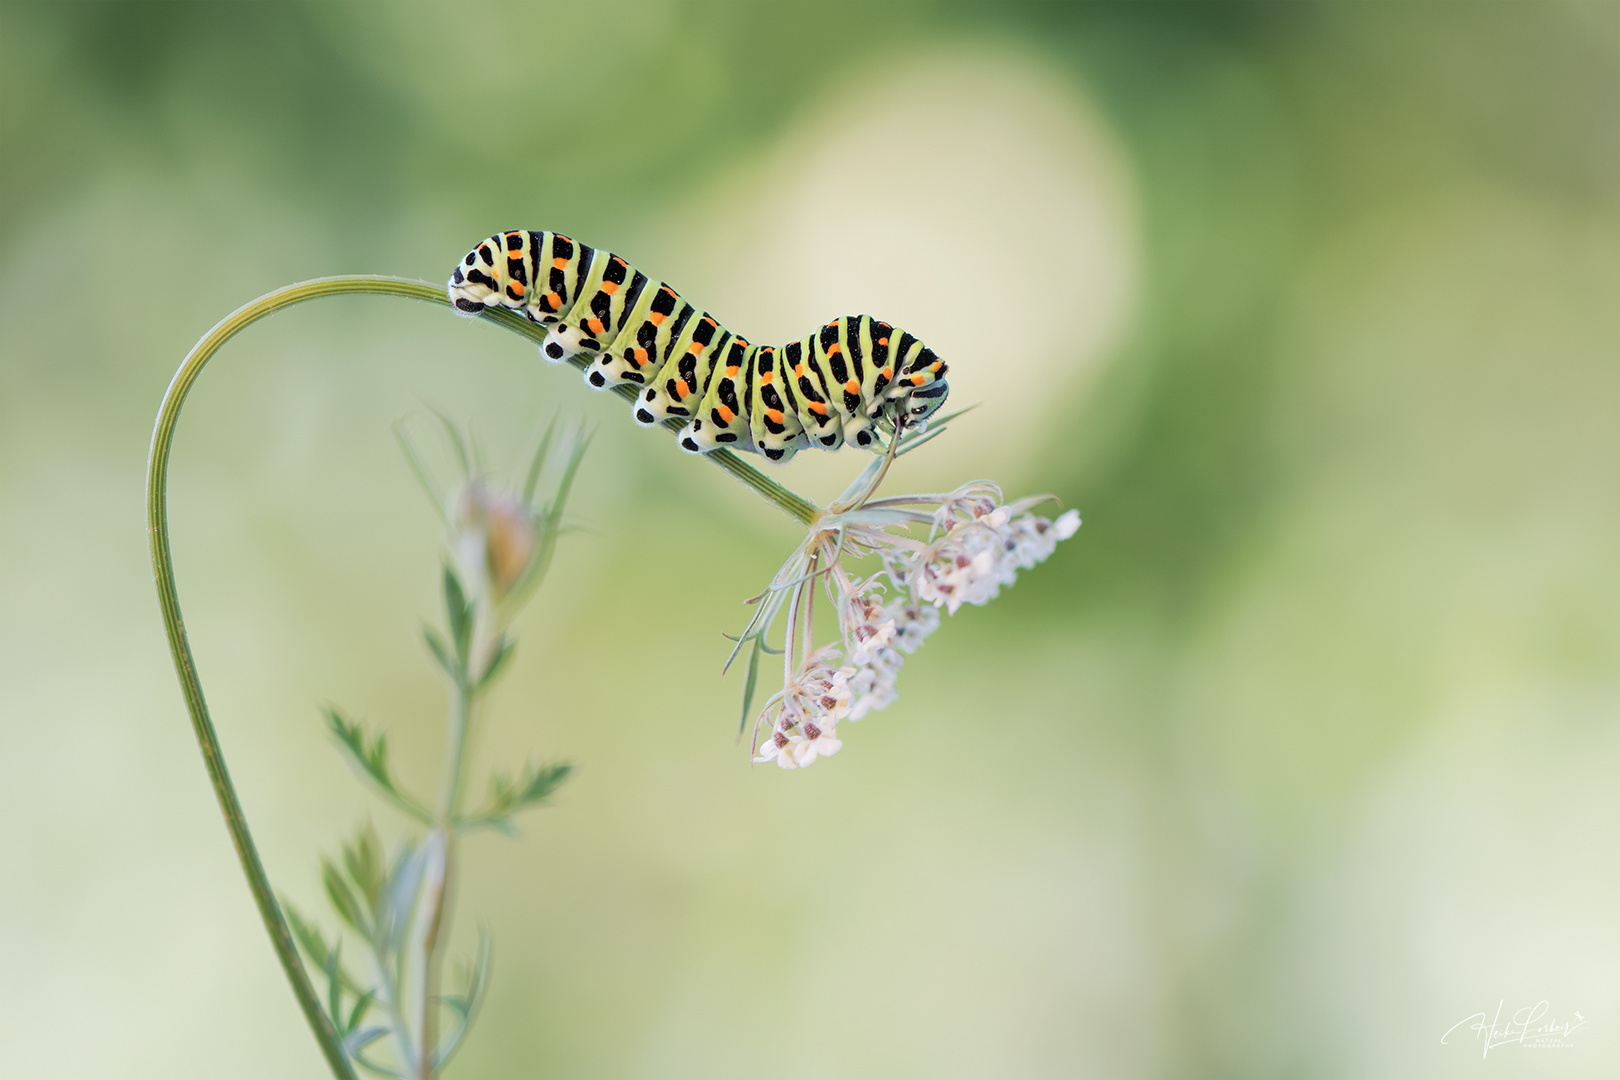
x,y
371,761
363,861
423,476
404,889
314,945
538,462
465,1005
380,1070
543,781
343,900
356,1041
362,1005
748,685
576,454
334,989
506,797
459,614
936,428
441,652
497,663
457,444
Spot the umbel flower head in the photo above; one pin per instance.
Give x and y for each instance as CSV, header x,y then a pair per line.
x,y
972,546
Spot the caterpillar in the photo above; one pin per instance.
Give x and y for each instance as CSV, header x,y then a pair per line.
x,y
853,378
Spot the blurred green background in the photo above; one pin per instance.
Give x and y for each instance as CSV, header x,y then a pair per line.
x,y
1303,750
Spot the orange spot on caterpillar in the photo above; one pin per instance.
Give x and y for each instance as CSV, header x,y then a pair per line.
x,y
798,372
817,407
852,387
833,348
731,372
657,318
696,347
936,365
888,372
596,326
766,377
610,287
775,415
641,356
708,321
918,380
560,263
726,414
883,341
554,300
682,390
516,288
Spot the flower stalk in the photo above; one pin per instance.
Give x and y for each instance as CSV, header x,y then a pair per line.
x,y
270,911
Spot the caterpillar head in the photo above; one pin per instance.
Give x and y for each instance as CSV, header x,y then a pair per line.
x,y
925,402
479,279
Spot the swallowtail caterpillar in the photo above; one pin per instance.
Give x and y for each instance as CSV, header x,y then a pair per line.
x,y
852,378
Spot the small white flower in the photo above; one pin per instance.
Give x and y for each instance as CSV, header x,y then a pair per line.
x,y
779,748
959,575
800,751
915,623
867,627
817,743
873,684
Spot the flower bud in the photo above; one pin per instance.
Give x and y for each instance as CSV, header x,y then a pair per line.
x,y
494,540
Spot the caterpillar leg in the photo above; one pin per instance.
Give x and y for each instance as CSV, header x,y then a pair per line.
x,y
858,430
562,341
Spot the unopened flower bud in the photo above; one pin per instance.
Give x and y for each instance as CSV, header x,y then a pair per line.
x,y
495,538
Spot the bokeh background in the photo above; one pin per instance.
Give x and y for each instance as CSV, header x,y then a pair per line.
x,y
1301,751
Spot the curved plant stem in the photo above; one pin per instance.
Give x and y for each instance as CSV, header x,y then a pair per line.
x,y
157,519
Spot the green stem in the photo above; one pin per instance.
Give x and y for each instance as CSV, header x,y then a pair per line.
x,y
157,519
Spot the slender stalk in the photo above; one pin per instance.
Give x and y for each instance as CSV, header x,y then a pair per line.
x,y
436,885
157,518
439,881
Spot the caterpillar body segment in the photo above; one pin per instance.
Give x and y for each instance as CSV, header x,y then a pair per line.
x,y
848,381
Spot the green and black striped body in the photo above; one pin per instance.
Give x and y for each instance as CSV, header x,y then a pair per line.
x,y
837,385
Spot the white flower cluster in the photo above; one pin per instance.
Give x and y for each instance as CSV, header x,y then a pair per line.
x,y
808,709
983,548
976,547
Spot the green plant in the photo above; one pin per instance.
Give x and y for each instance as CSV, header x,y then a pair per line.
x,y
936,551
